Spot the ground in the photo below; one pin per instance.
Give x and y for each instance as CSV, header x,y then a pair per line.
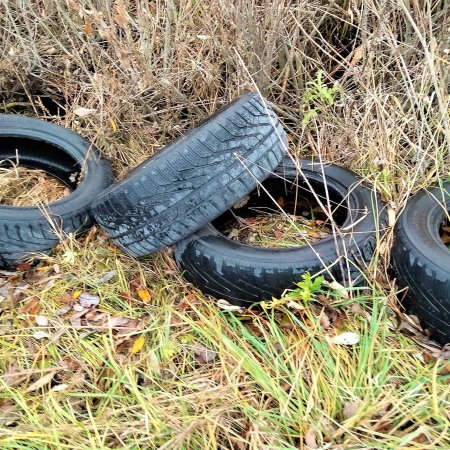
x,y
101,351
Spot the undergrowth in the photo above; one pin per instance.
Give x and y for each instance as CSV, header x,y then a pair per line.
x,y
99,350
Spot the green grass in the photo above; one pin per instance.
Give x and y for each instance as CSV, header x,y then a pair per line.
x,y
274,376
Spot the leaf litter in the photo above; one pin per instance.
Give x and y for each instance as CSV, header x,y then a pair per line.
x,y
268,228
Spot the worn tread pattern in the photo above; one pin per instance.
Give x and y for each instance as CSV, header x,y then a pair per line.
x,y
422,263
194,179
243,275
25,231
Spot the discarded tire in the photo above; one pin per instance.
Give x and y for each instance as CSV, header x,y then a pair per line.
x,y
194,179
65,155
421,260
244,274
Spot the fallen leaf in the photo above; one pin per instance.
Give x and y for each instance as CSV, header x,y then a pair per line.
x,y
223,304
391,217
88,300
31,306
118,322
75,319
40,335
59,387
88,28
94,315
443,353
76,294
144,295
106,277
138,344
42,321
204,355
23,267
410,326
346,338
83,112
278,234
324,321
337,287
310,439
8,412
351,409
38,384
63,310
242,202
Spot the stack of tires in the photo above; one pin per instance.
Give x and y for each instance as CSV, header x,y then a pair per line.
x,y
184,194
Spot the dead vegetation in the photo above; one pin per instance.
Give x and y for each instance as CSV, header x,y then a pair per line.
x,y
20,186
101,351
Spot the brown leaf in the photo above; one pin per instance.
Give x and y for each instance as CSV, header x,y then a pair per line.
x,y
34,276
23,267
281,201
41,382
351,409
66,298
93,315
88,28
31,306
204,355
409,328
324,321
75,319
310,439
278,234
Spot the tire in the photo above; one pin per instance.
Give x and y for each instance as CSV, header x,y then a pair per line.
x,y
63,154
421,260
194,179
244,274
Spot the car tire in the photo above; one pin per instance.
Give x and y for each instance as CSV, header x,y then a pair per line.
x,y
37,144
193,179
421,260
243,274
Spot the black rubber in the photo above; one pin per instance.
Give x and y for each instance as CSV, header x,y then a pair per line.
x,y
422,261
37,144
194,179
245,274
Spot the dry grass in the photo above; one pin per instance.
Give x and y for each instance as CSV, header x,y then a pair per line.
x,y
20,186
202,378
277,230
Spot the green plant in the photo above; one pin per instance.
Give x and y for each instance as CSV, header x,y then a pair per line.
x,y
318,96
306,291
307,288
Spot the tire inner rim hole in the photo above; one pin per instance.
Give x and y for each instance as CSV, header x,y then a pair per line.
x,y
444,231
283,214
34,172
